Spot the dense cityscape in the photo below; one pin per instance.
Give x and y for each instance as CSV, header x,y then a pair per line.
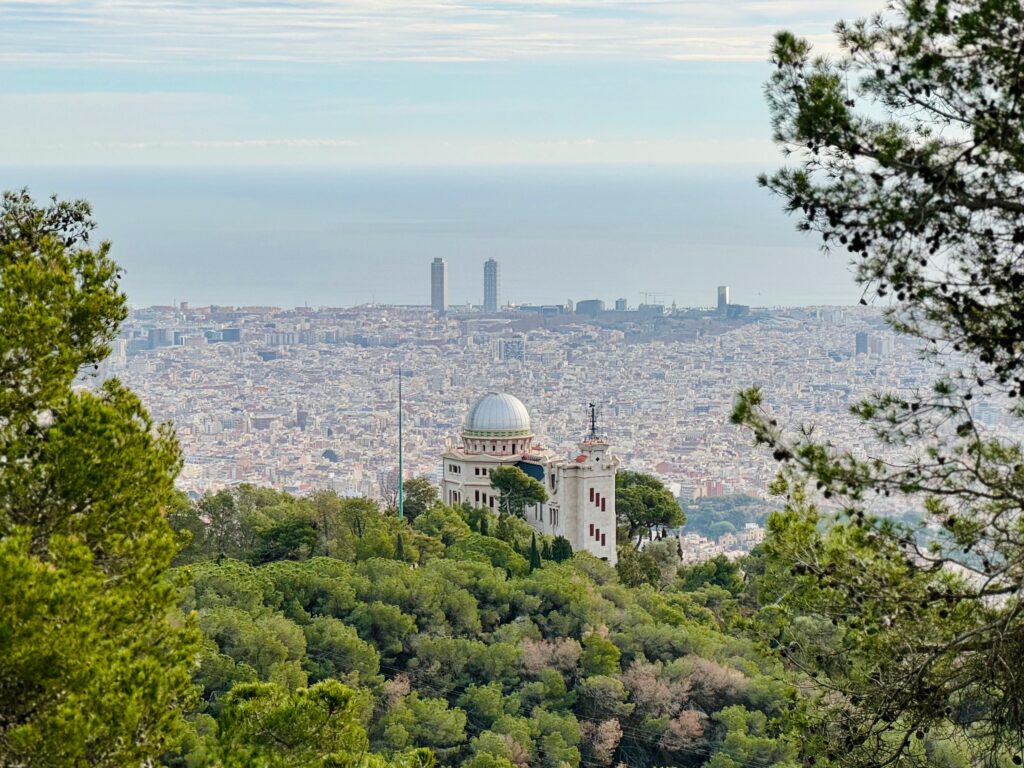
x,y
304,399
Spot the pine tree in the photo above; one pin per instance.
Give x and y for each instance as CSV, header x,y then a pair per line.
x,y
905,149
517,491
505,530
400,548
94,660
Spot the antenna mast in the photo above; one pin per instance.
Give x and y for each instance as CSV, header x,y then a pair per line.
x,y
401,473
593,421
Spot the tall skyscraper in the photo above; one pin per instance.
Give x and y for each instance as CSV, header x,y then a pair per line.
x,y
861,343
439,285
492,285
723,298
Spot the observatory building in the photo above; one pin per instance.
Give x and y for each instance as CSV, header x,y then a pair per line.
x,y
581,489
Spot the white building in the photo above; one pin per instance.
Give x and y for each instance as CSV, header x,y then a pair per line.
x,y
581,489
751,535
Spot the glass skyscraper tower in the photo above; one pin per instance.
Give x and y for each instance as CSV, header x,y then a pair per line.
x,y
439,285
492,283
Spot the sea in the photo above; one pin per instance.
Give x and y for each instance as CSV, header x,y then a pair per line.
x,y
341,237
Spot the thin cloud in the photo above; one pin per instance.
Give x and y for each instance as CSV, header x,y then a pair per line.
x,y
208,32
262,143
227,144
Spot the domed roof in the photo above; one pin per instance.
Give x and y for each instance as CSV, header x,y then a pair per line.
x,y
498,414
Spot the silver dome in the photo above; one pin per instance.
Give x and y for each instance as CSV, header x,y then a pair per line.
x,y
498,414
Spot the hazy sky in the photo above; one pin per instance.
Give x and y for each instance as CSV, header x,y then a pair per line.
x,y
310,150
392,82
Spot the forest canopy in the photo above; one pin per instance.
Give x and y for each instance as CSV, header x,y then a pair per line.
x,y
450,643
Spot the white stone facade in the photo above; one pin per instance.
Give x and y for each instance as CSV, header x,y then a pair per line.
x,y
581,489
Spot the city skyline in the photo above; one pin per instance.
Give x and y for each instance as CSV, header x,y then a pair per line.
x,y
288,239
439,301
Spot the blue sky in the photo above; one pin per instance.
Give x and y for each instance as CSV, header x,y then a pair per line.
x,y
200,83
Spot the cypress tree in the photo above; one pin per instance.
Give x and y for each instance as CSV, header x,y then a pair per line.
x,y
534,554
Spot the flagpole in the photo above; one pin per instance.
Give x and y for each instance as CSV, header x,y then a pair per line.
x,y
401,474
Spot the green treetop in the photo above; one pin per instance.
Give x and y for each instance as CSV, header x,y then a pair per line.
x,y
94,659
517,489
420,495
642,502
908,153
264,725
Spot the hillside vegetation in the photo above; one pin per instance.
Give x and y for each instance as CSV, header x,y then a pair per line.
x,y
438,642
